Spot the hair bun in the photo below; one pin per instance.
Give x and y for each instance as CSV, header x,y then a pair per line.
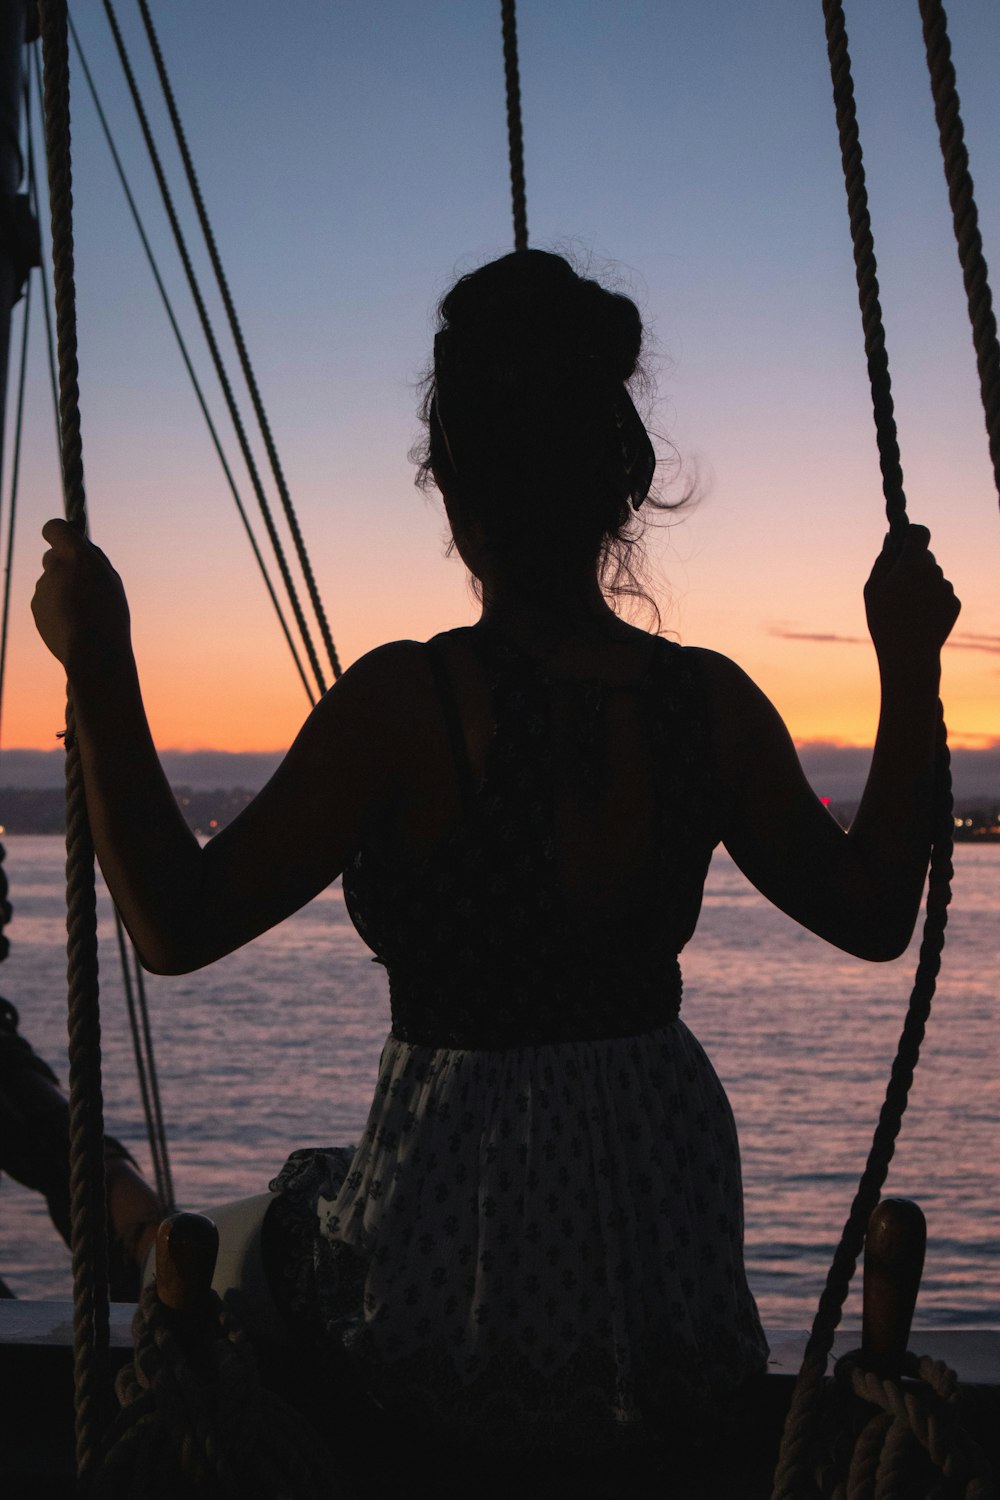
x,y
530,311
612,328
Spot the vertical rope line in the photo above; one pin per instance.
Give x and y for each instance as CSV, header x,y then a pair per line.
x,y
241,348
50,341
185,356
87,1193
220,369
515,131
167,1187
15,471
790,1479
965,217
865,265
140,1061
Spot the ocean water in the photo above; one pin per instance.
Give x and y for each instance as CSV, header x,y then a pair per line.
x,y
277,1047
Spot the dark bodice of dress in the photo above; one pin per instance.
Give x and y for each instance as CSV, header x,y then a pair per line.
x,y
487,940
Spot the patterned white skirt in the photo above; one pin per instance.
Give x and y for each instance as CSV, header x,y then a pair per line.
x,y
546,1238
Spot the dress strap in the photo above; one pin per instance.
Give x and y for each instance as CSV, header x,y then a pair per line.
x,y
452,719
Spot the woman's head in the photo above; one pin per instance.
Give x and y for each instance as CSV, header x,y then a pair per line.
x,y
531,434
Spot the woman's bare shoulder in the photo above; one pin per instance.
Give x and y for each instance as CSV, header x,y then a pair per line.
x,y
727,685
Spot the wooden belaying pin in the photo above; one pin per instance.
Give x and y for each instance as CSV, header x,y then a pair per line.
x,y
186,1249
894,1260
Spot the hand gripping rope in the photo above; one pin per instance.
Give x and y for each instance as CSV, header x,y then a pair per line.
x,y
792,1477
87,1195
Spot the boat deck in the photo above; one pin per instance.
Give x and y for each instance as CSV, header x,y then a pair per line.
x,y
36,1392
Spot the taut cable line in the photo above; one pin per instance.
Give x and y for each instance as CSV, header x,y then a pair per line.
x,y
790,1480
189,366
515,131
220,369
241,348
15,471
87,1188
965,218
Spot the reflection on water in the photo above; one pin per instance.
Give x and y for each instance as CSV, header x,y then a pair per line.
x,y
278,1046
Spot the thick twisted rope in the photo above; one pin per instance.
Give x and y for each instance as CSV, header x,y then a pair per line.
x,y
217,360
241,348
966,219
791,1474
196,1419
87,1195
919,1412
515,132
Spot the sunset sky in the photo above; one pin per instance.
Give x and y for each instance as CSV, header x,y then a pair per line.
x,y
353,159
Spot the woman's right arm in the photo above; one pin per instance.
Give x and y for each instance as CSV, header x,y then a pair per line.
x,y
185,905
859,890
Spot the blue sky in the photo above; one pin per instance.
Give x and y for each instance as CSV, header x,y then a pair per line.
x,y
353,158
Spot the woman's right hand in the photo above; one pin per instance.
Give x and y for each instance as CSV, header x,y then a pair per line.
x,y
911,606
79,604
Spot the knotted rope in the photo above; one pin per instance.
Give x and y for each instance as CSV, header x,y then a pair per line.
x,y
515,133
791,1476
196,1420
87,1195
966,219
910,1441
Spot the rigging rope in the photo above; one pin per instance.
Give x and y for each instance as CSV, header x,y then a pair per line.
x,y
145,1067
515,132
168,306
15,470
213,346
790,1475
238,340
87,1188
50,337
152,1110
965,218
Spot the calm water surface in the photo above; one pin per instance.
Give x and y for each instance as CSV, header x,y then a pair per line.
x,y
278,1047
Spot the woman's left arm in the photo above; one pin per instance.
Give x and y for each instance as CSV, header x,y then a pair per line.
x,y
185,905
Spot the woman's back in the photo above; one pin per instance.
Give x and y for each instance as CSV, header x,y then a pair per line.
x,y
546,868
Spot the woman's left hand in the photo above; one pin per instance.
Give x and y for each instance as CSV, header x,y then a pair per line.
x,y
79,604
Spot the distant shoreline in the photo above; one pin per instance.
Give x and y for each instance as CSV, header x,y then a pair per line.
x,y
41,810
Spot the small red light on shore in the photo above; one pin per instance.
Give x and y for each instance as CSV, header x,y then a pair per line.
x,y
825,801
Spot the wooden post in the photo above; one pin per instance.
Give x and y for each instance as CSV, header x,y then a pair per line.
x,y
186,1249
894,1261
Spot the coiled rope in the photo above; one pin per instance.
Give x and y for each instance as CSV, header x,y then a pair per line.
x,y
913,1444
87,1196
791,1476
515,132
966,219
196,1420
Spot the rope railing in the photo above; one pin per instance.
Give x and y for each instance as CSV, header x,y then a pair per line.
x,y
791,1482
240,343
515,131
966,219
87,1187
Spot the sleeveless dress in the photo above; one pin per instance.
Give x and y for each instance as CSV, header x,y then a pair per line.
x,y
541,1231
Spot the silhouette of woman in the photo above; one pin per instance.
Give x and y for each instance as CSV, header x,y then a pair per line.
x,y
541,1231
